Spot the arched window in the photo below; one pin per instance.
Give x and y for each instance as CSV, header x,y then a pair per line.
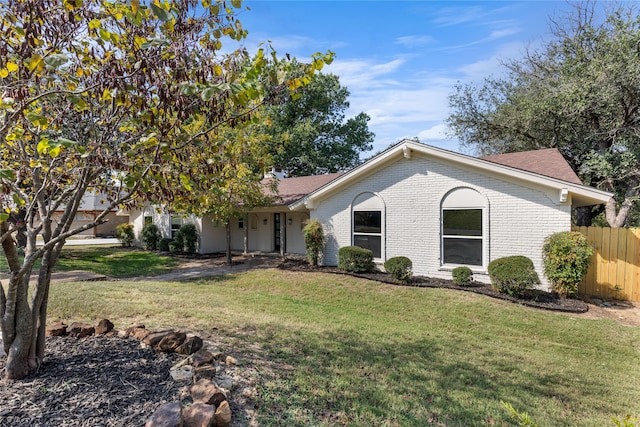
x,y
464,228
368,223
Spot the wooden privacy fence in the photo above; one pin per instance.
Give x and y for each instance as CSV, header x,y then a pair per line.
x,y
615,267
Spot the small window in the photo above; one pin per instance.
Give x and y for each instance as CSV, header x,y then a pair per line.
x,y
240,223
148,220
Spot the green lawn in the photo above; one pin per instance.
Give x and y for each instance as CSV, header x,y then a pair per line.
x,y
111,261
354,352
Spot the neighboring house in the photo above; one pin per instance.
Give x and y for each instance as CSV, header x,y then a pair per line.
x,y
444,209
91,206
439,208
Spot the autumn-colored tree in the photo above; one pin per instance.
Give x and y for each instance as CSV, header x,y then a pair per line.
x,y
103,96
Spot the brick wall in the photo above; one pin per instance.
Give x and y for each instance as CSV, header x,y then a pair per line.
x,y
518,217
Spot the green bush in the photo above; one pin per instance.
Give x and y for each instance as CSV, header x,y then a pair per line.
x,y
163,244
125,234
400,268
151,237
313,241
566,257
462,275
189,234
355,259
176,246
512,275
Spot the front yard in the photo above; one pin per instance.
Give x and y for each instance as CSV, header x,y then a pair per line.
x,y
336,350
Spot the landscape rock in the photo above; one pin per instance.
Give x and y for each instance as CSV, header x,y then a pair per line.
x,y
80,330
182,374
190,345
170,342
104,326
230,360
155,337
205,372
56,329
201,357
169,415
198,415
224,382
139,333
223,415
204,391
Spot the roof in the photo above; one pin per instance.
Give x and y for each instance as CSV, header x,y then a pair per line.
x,y
290,190
548,162
569,188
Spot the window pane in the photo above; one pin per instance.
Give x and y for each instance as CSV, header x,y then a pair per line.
x,y
462,222
369,242
462,251
367,222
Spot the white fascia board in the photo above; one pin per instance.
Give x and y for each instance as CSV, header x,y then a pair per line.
x,y
581,194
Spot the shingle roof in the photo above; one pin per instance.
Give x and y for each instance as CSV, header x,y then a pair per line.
x,y
290,190
548,162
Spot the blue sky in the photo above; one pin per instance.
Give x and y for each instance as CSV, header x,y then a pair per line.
x,y
401,59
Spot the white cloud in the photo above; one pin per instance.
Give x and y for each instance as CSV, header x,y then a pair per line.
x,y
434,133
414,41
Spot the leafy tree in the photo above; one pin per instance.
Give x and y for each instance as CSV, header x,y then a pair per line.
x,y
309,131
580,93
105,96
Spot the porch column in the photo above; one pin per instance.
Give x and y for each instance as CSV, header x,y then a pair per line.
x,y
283,234
246,234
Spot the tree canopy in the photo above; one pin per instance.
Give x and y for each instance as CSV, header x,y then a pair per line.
x,y
121,97
309,133
580,92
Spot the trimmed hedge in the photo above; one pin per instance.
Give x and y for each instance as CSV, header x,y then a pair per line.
x,y
189,234
512,275
163,244
400,268
151,237
355,259
125,234
462,275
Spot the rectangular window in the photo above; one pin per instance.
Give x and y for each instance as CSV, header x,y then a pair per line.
x,y
240,222
462,236
176,223
367,231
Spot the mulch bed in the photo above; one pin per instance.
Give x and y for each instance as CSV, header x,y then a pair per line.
x,y
532,297
97,381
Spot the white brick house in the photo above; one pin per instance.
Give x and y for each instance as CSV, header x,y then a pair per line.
x,y
444,209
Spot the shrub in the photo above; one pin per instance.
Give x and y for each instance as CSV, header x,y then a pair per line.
x,y
176,246
400,268
163,244
355,259
189,234
151,237
313,241
125,234
512,275
566,257
462,275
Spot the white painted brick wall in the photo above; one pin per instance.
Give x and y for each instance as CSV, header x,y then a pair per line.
x,y
520,217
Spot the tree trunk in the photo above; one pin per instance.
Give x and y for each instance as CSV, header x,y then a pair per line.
x,y
618,218
228,237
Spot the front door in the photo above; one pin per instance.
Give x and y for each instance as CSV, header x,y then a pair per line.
x,y
276,232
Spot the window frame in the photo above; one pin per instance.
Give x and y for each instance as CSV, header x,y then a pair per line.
x,y
466,199
379,234
464,237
